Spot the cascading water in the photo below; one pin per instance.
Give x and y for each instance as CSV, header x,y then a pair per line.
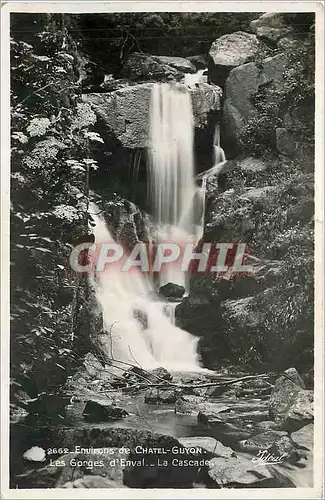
x,y
124,296
138,328
172,186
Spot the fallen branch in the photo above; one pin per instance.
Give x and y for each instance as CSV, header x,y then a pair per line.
x,y
167,384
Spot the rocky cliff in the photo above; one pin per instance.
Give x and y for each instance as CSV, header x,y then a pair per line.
x,y
264,198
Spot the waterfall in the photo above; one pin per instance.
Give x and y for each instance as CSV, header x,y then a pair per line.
x,y
136,328
172,187
219,154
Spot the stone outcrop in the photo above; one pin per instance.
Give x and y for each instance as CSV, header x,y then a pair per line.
x,y
230,51
291,405
144,67
125,112
242,83
271,26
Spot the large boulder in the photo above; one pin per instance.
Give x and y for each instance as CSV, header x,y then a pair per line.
x,y
271,26
230,51
300,413
237,471
290,405
126,112
241,84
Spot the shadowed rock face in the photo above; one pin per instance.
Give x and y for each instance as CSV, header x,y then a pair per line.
x,y
241,84
125,112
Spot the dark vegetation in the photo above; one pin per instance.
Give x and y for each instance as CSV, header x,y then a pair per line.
x,y
50,166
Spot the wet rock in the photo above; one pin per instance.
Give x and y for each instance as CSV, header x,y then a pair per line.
x,y
211,445
242,82
235,471
262,441
160,396
230,51
161,373
98,412
304,437
172,290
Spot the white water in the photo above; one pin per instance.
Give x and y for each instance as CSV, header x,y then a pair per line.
x,y
172,187
121,295
178,207
191,79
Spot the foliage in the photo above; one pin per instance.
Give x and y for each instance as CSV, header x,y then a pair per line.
x,y
108,39
50,167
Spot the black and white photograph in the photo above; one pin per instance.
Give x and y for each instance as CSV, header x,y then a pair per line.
x,y
164,196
